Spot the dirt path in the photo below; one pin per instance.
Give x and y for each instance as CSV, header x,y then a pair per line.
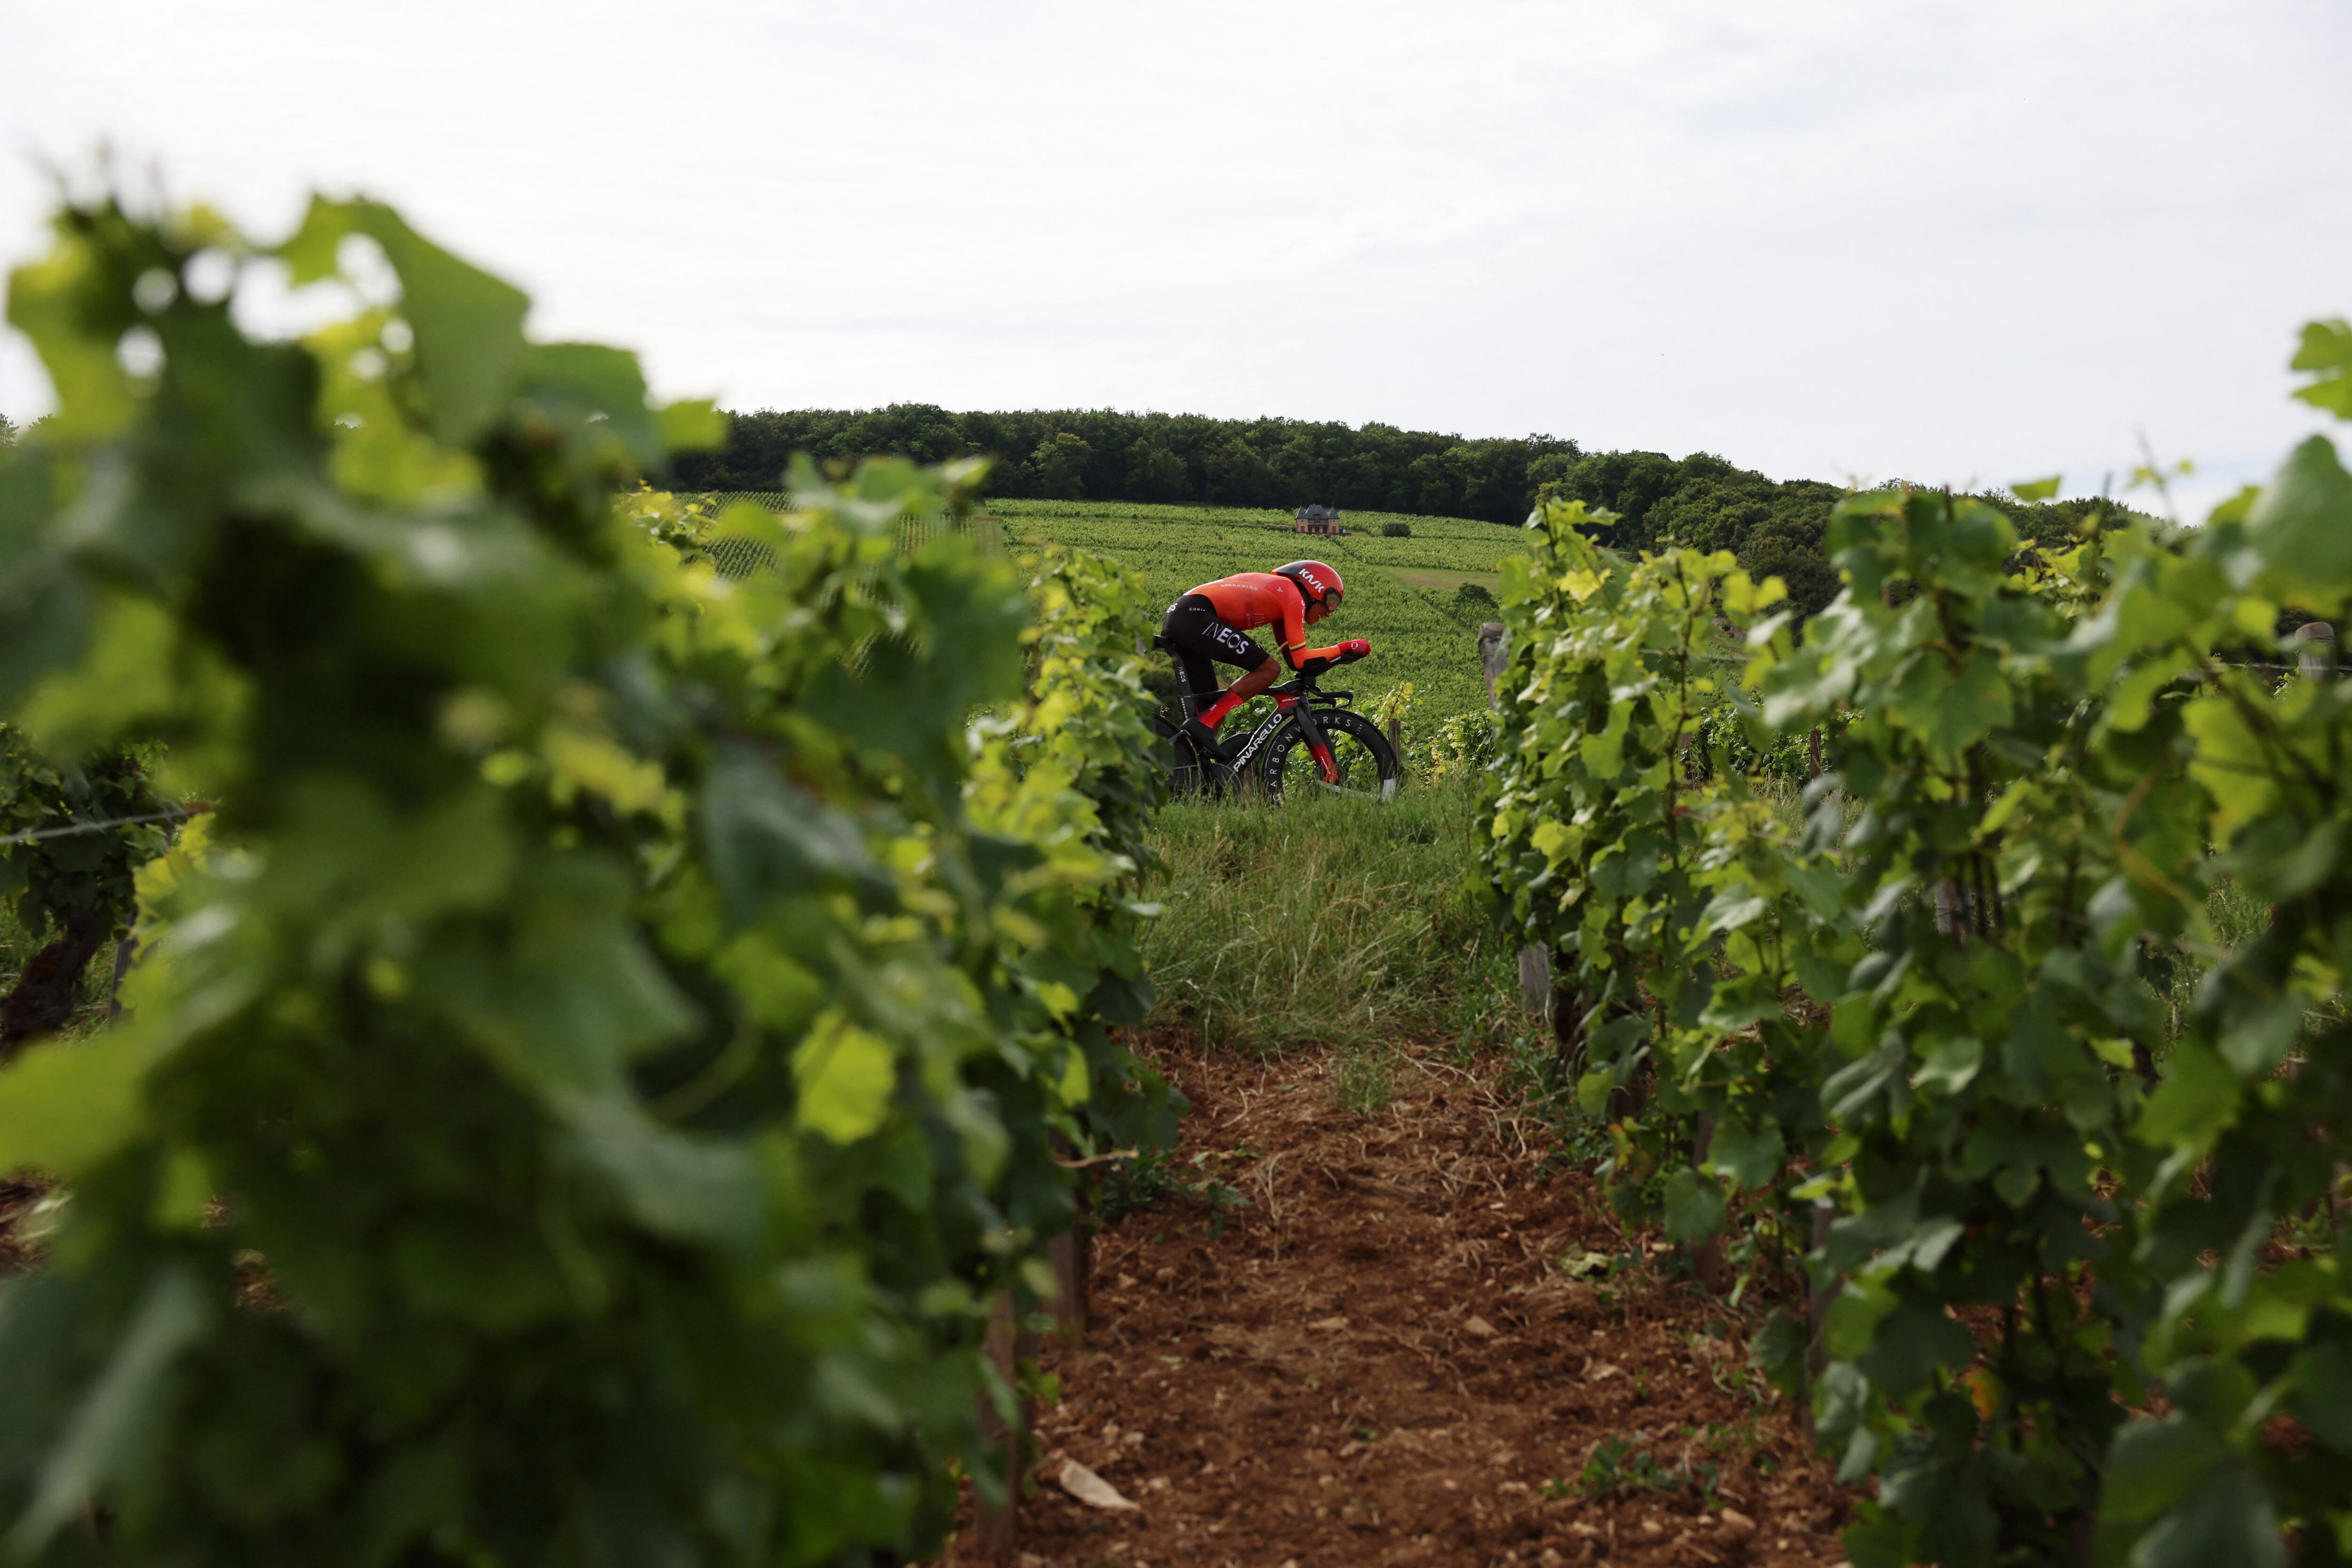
x,y
1380,1360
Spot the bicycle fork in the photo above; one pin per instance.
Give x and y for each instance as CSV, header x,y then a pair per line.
x,y
1317,746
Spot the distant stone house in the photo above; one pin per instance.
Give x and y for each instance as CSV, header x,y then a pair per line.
x,y
1317,520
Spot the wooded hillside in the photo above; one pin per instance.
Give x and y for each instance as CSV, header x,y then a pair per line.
x,y
1774,527
1104,455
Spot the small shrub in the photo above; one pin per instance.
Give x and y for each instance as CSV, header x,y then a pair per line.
x,y
1620,1467
1396,530
1475,601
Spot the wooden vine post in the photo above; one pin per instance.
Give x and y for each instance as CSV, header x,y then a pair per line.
x,y
1817,1297
1071,1256
1535,964
1003,1346
2315,649
1707,1260
1006,1346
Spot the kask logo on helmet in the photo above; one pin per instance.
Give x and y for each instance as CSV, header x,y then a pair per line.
x,y
1317,583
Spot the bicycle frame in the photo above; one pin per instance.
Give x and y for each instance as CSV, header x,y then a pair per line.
x,y
1295,697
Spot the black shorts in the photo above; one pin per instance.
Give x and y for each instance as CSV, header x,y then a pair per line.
x,y
1198,638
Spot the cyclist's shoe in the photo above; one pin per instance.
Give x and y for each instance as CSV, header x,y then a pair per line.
x,y
1203,738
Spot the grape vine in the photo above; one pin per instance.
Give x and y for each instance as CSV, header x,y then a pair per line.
x,y
1938,996
611,1043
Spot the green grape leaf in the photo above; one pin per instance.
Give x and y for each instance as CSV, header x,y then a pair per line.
x,y
2262,1034
847,1077
1779,1350
576,996
62,303
2321,1397
2302,527
65,1109
117,1414
2326,350
598,385
2225,1517
1695,1207
1951,713
468,324
2036,489
912,693
1877,1538
2231,762
45,611
692,425
1855,1315
2152,1462
1910,1343
765,837
693,1188
1749,1157
451,1264
1732,909
414,1492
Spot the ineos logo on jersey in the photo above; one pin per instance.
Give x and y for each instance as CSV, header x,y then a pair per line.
x,y
1233,642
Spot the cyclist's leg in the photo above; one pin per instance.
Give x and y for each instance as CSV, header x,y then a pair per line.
x,y
1196,680
1200,640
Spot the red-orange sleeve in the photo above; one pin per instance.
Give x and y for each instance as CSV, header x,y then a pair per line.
x,y
1293,623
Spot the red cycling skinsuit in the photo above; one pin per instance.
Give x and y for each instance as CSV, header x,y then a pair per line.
x,y
1207,625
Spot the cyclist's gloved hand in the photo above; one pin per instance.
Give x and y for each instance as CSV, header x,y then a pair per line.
x,y
1354,649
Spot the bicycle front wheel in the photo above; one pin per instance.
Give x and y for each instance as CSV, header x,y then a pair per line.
x,y
1361,761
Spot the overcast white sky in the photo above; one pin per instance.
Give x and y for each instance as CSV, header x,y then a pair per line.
x,y
1968,242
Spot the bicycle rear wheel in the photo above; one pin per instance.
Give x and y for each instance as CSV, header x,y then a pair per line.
x,y
1359,756
1180,762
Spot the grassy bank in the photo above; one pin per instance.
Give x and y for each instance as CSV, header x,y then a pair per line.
x,y
1336,922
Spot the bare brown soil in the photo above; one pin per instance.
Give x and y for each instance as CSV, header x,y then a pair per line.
x,y
1379,1359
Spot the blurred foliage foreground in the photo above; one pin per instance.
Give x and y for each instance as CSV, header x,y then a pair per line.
x,y
618,1030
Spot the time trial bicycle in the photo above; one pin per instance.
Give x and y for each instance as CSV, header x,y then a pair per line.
x,y
1312,742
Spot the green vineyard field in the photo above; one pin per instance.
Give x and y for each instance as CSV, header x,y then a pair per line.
x,y
1405,595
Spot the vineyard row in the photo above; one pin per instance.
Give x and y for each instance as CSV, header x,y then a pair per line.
x,y
1964,1048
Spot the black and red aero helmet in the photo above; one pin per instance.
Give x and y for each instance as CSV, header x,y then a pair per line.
x,y
1317,583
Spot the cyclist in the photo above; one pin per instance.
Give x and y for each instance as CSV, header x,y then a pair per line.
x,y
1207,626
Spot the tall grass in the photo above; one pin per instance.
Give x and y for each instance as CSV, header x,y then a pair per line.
x,y
1323,921
1356,925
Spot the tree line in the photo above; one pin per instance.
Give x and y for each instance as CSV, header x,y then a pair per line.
x,y
1773,527
1104,455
